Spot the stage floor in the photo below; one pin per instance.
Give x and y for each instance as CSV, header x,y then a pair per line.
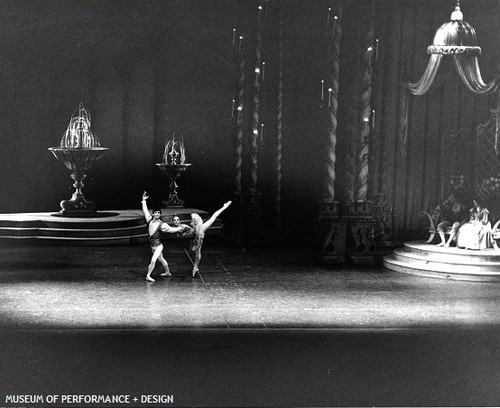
x,y
261,327
80,287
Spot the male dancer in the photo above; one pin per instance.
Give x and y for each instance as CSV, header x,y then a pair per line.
x,y
155,225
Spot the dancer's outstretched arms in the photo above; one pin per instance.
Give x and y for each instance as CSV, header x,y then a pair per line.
x,y
208,223
145,209
164,227
187,230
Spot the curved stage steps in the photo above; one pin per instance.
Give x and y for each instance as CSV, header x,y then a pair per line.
x,y
419,258
114,227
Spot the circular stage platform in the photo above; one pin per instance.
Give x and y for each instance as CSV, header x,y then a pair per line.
x,y
419,258
114,227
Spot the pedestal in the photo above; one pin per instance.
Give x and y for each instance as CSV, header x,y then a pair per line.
x,y
346,235
173,172
331,237
79,161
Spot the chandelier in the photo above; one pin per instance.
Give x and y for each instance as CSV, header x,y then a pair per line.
x,y
456,39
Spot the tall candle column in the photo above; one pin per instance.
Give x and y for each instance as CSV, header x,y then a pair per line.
x,y
332,228
332,106
255,114
238,118
279,124
365,111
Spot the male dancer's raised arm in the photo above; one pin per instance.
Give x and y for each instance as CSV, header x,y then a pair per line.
x,y
145,208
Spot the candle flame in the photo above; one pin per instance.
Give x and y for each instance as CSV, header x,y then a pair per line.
x,y
174,152
78,134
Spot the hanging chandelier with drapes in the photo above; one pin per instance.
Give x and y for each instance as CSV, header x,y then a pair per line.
x,y
456,39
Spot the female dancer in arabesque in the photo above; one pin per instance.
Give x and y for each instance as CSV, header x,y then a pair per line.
x,y
197,233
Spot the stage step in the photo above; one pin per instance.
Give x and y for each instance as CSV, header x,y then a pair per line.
x,y
120,227
419,258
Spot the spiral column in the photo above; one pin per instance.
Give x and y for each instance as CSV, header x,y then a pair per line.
x,y
254,146
279,124
365,110
332,229
249,228
332,107
360,243
238,121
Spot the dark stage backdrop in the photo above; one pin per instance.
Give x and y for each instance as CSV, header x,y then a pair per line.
x,y
145,69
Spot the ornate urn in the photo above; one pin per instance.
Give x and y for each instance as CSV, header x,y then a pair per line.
x,y
79,149
173,165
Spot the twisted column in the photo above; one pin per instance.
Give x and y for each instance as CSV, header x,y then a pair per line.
x,y
279,124
254,148
351,158
332,106
365,110
238,120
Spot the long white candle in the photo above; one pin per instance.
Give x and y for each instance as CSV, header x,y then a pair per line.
x,y
335,18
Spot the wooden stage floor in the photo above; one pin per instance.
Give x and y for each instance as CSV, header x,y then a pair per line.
x,y
261,327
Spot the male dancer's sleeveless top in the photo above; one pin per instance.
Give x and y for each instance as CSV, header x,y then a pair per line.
x,y
154,239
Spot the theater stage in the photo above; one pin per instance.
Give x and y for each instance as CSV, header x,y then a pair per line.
x,y
261,327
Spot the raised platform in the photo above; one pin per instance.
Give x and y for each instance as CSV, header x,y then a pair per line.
x,y
419,258
113,227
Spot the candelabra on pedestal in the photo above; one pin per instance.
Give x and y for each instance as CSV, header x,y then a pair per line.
x,y
173,165
78,150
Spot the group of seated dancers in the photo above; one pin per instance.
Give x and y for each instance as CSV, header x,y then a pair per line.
x,y
195,231
470,230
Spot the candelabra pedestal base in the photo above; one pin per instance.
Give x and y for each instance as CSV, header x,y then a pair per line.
x,y
346,237
331,242
79,161
173,172
360,245
78,205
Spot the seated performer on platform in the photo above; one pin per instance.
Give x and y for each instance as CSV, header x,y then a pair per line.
x,y
476,233
455,215
155,225
197,233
